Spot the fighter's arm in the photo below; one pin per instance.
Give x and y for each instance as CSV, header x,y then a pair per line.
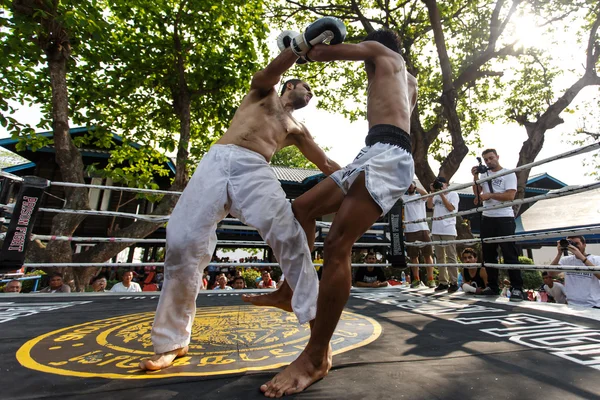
x,y
266,78
313,153
349,52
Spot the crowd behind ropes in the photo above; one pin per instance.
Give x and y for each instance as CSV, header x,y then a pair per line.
x,y
576,288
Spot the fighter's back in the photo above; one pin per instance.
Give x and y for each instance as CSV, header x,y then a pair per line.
x,y
391,90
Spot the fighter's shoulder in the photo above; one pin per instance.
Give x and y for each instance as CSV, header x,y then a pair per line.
x,y
383,55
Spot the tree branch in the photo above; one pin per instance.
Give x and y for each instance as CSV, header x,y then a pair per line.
x,y
471,73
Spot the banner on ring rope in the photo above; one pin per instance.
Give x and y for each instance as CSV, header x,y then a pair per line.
x,y
12,255
396,255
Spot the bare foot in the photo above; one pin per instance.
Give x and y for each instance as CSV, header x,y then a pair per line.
x,y
297,376
281,298
160,361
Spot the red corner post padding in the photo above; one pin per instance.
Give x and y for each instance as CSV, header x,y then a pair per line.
x,y
12,255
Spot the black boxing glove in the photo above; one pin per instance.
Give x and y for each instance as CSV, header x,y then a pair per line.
x,y
324,30
284,41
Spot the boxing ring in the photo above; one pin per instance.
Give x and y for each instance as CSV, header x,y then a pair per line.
x,y
394,342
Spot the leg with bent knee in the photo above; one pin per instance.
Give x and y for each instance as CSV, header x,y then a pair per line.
x,y
356,215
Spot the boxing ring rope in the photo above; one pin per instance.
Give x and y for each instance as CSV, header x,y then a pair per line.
x,y
513,238
354,265
11,176
570,153
164,218
566,191
121,188
134,240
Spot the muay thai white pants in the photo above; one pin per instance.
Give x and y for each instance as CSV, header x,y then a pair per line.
x,y
229,180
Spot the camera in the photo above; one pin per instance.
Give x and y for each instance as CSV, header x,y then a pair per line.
x,y
564,245
437,184
481,168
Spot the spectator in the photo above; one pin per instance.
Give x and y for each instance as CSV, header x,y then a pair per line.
x,y
99,284
554,289
475,279
498,222
222,283
413,211
126,285
266,282
13,286
239,283
582,288
370,276
444,229
56,285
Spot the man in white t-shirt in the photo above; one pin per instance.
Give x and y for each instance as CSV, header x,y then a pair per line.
x,y
444,229
498,222
415,210
583,288
126,285
554,289
222,283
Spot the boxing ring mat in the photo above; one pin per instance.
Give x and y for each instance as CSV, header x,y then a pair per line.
x,y
390,343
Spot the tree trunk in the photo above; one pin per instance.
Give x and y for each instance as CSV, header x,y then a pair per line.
x,y
69,162
448,99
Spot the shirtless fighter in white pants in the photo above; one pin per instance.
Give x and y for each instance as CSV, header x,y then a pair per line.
x,y
235,178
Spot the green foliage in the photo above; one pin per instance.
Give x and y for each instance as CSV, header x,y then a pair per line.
x,y
525,260
250,277
291,157
27,31
493,73
531,279
253,250
173,61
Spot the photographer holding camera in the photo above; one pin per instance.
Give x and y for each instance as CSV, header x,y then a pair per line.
x,y
497,222
583,288
444,229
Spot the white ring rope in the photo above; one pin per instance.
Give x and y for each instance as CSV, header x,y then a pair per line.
x,y
567,154
499,239
121,188
260,265
150,218
134,240
11,176
566,191
143,217
512,238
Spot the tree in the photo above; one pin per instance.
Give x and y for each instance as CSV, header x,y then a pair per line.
x,y
166,74
38,39
461,53
292,157
178,71
539,117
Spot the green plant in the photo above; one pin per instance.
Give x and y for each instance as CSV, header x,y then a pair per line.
x,y
250,277
29,284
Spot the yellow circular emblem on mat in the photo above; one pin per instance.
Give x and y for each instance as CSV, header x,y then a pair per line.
x,y
225,340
